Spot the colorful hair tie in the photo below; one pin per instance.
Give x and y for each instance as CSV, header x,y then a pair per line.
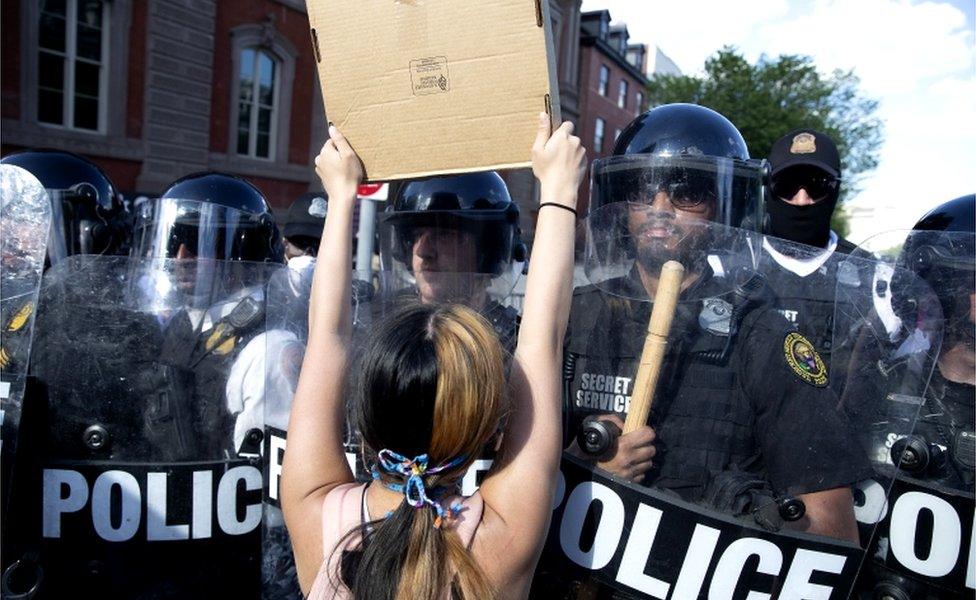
x,y
414,471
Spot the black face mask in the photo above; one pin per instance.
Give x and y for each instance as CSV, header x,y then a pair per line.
x,y
808,224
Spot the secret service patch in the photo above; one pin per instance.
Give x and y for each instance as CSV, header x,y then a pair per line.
x,y
804,360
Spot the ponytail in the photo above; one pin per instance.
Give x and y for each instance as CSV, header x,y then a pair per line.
x,y
432,382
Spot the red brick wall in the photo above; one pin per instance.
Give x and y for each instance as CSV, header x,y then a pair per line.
x,y
292,25
278,192
122,173
10,60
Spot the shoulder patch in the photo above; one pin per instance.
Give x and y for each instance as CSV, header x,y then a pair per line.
x,y
804,360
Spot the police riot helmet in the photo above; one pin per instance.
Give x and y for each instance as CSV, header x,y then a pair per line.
x,y
941,250
691,152
215,216
476,203
87,214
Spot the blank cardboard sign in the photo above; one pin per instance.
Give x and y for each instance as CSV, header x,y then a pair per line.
x,y
425,87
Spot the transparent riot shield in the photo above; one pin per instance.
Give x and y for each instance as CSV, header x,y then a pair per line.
x,y
285,337
25,223
722,498
147,479
805,283
905,365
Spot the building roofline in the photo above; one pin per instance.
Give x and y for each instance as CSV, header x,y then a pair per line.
x,y
616,57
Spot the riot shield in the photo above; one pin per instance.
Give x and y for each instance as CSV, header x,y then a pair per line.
x,y
284,340
748,435
147,480
25,223
903,359
805,283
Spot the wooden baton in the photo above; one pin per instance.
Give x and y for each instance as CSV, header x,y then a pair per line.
x,y
655,345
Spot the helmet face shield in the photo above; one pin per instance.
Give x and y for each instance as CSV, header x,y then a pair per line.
x,y
448,257
722,190
189,229
628,240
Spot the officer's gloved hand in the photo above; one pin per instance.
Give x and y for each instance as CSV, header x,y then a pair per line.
x,y
630,457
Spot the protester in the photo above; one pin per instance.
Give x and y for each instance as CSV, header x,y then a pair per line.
x,y
432,393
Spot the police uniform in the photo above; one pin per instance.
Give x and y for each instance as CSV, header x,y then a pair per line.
x,y
766,410
806,291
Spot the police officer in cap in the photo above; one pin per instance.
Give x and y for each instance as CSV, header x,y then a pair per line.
x,y
803,260
303,225
742,417
936,463
456,239
88,215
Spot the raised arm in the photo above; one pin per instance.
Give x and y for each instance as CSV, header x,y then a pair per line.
x,y
314,461
521,486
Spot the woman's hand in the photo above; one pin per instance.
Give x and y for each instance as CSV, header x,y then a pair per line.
x,y
338,166
558,162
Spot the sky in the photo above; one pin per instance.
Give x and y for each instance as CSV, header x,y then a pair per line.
x,y
918,58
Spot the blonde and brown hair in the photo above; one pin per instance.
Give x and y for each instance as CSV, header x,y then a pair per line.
x,y
432,381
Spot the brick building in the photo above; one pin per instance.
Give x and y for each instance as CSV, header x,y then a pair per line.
x,y
155,89
612,84
152,90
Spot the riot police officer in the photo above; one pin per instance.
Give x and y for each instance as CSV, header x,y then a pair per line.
x,y
933,467
88,215
742,402
136,355
456,239
803,258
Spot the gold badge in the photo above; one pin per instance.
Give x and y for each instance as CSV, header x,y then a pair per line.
x,y
221,340
804,360
804,143
20,317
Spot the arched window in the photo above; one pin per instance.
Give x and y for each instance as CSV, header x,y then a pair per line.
x,y
257,121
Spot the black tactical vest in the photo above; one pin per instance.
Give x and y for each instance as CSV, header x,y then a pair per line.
x,y
702,419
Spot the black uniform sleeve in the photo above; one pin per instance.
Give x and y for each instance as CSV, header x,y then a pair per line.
x,y
807,442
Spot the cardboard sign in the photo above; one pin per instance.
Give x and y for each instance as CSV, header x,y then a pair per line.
x,y
425,87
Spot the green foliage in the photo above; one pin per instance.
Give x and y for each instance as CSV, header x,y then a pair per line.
x,y
774,96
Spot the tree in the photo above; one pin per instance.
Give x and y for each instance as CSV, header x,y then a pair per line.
x,y
774,96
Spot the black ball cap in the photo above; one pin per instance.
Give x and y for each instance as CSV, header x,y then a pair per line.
x,y
306,216
805,147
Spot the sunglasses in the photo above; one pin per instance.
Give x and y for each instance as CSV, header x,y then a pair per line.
x,y
817,185
686,188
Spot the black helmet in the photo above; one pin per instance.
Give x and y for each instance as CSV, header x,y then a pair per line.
x,y
682,130
693,153
478,203
88,217
212,215
941,249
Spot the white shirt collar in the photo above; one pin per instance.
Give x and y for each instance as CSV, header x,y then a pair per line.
x,y
802,266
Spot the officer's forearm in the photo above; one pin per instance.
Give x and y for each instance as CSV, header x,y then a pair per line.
x,y
829,513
